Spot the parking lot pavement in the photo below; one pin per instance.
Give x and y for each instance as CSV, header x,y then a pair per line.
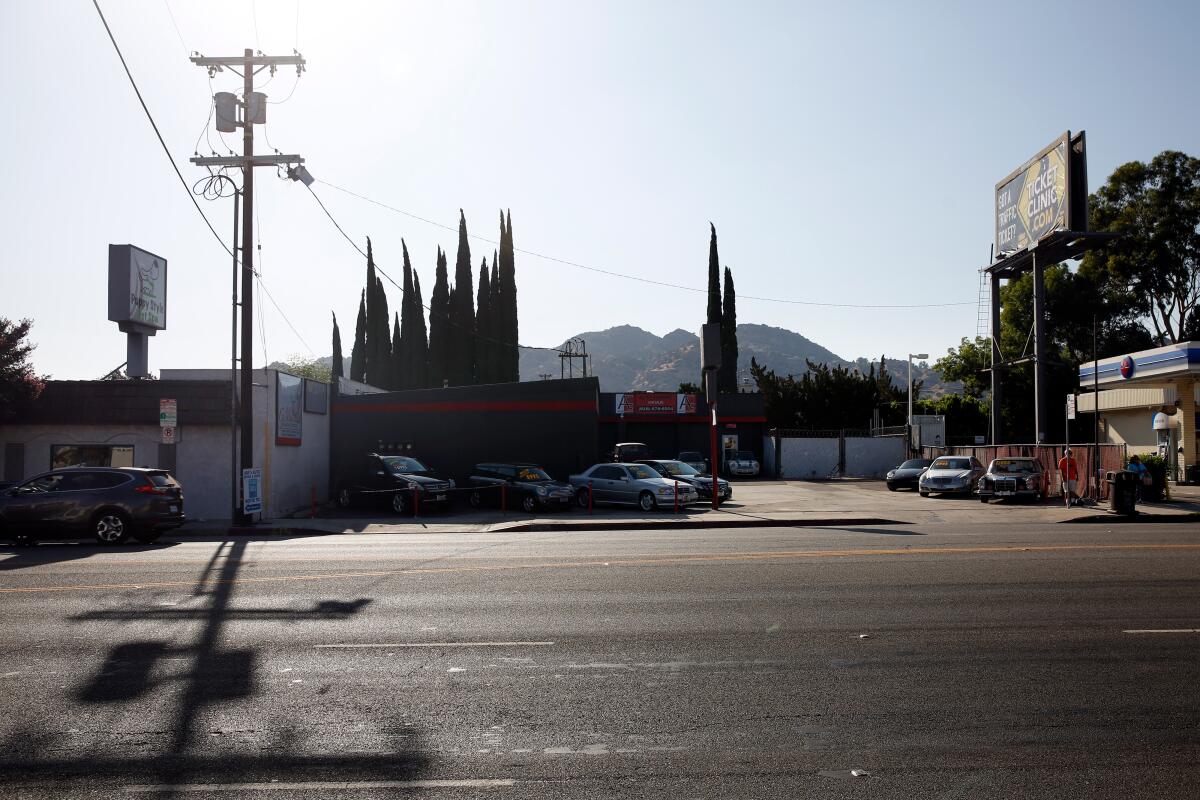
x,y
757,503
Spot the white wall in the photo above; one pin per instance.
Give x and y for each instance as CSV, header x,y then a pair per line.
x,y
807,459
873,457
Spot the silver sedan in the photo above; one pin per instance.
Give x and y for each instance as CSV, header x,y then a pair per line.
x,y
950,475
629,484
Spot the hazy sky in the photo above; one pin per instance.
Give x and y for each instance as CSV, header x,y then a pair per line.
x,y
847,153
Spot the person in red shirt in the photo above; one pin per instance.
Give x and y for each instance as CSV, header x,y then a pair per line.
x,y
1069,470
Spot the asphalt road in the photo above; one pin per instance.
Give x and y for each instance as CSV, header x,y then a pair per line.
x,y
935,661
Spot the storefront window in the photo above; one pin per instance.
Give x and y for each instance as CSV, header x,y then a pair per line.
x,y
91,455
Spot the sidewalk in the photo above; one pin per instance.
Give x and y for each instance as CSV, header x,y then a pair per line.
x,y
758,504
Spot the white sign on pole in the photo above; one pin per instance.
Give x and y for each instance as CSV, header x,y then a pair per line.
x,y
251,491
1070,406
168,413
170,434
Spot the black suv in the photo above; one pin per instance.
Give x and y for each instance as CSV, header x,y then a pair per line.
x,y
396,481
527,486
111,503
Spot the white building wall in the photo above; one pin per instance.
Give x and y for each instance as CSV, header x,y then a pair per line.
x,y
808,459
873,457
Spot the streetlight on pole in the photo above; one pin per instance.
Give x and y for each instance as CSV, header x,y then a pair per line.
x,y
911,356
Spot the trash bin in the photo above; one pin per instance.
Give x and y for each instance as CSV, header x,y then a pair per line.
x,y
1191,474
1122,492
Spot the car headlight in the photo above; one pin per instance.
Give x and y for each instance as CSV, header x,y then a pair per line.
x,y
542,490
451,481
892,474
666,490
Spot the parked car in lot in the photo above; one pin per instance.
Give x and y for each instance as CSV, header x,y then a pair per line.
x,y
527,486
684,473
696,460
950,475
629,484
906,475
394,480
743,462
1018,477
631,451
110,503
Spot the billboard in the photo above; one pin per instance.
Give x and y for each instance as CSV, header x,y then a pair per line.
x,y
646,403
137,288
1043,196
289,409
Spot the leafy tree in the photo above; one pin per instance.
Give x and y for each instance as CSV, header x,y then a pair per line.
x,y
1156,261
967,363
686,387
826,397
358,352
337,363
19,384
312,368
727,375
439,325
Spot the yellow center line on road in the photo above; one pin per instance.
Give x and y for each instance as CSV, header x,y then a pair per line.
x,y
618,562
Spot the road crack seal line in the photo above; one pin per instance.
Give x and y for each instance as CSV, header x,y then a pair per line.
x,y
627,562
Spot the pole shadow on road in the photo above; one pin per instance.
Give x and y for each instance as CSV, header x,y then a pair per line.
x,y
145,671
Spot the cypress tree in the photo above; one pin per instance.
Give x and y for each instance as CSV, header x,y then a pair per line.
x,y
485,364
439,325
714,286
398,370
358,352
406,355
420,347
462,313
383,341
371,363
508,299
335,368
496,329
727,376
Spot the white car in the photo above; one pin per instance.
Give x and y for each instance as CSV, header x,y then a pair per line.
x,y
743,462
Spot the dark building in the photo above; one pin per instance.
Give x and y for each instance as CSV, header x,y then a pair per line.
x,y
670,423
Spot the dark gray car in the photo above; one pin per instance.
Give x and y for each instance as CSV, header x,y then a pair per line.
x,y
110,503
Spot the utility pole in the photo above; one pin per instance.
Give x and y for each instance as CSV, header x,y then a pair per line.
x,y
254,111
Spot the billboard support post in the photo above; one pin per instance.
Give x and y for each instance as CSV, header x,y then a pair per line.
x,y
1039,349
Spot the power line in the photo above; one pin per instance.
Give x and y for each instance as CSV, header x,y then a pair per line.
x,y
380,270
637,278
157,133
171,13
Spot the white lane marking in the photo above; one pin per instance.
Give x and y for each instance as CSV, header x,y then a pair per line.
x,y
437,644
466,783
1165,630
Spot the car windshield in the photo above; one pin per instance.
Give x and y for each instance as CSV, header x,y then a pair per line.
x,y
532,474
951,463
745,455
915,463
1013,465
641,472
398,465
678,468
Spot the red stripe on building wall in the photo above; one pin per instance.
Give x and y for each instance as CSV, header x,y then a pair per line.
x,y
474,406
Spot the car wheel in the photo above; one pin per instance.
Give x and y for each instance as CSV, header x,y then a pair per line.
x,y
891,487
529,504
110,527
147,537
475,499
400,502
581,498
646,502
19,539
923,493
343,498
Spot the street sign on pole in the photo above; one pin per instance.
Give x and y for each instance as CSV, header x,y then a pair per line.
x,y
168,413
251,490
170,434
1070,406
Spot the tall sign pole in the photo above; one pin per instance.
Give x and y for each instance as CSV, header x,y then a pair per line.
x,y
253,111
710,362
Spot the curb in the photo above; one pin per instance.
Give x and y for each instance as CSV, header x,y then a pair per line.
x,y
640,525
1140,518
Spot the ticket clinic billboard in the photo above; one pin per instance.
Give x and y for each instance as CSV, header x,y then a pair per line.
x,y
137,287
1042,196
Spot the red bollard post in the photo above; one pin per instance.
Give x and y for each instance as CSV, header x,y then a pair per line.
x,y
589,497
416,502
676,497
504,498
